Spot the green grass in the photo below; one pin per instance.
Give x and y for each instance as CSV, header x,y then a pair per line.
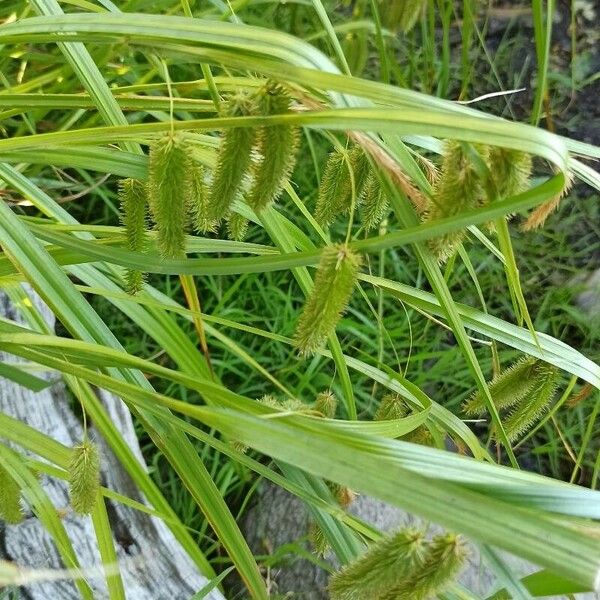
x,y
382,342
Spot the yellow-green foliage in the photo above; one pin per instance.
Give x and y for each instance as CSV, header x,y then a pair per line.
x,y
233,160
459,188
334,282
276,146
10,498
401,15
133,200
169,189
84,477
374,204
335,192
384,565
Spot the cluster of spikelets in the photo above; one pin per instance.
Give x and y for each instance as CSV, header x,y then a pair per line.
x,y
349,179
523,392
252,162
393,407
402,566
335,279
471,176
84,484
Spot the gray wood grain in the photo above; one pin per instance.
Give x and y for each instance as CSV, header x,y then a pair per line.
x,y
152,562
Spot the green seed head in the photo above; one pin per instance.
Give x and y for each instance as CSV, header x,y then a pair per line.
x,y
276,146
10,498
326,404
508,388
336,276
198,208
392,407
84,477
385,564
318,540
233,159
169,189
133,200
459,188
374,205
335,192
510,170
445,556
237,226
535,403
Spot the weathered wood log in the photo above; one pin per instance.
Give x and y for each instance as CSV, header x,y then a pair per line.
x,y
277,519
153,564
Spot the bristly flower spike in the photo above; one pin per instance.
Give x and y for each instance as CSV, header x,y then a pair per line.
x,y
535,404
336,276
84,477
326,404
374,203
459,188
385,564
133,200
444,558
198,208
233,159
237,226
391,407
277,146
335,192
507,388
10,498
510,170
169,189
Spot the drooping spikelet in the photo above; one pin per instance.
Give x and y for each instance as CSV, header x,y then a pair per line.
x,y
538,217
374,204
335,191
444,558
384,565
133,200
277,147
237,226
401,15
10,498
334,282
391,407
84,477
233,160
508,388
169,189
343,495
534,404
326,404
198,207
510,170
318,541
459,188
